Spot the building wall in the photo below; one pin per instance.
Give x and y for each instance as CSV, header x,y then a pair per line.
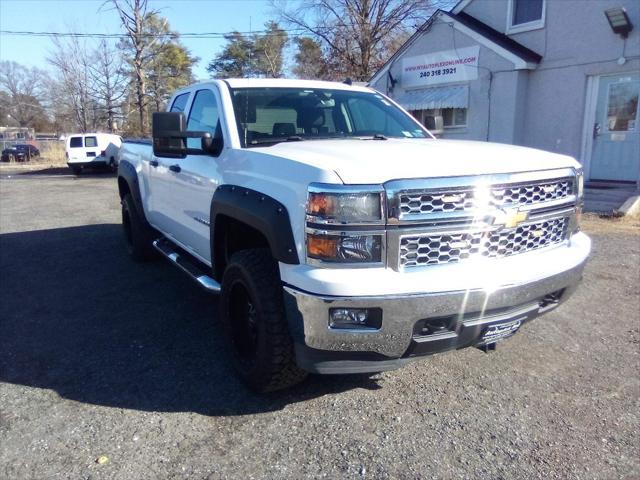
x,y
576,43
576,31
544,107
441,36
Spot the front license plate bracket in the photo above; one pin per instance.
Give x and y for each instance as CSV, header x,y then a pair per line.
x,y
500,331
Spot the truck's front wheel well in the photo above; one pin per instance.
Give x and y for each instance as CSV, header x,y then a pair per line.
x,y
123,187
232,236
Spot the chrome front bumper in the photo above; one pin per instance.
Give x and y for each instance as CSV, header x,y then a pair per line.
x,y
321,349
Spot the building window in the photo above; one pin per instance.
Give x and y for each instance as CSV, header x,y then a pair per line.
x,y
525,15
451,118
454,117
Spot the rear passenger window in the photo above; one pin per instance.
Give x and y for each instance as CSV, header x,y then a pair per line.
x,y
203,117
180,103
90,142
75,142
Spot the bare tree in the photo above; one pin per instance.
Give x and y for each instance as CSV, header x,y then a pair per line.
x,y
132,15
109,80
71,61
24,93
355,33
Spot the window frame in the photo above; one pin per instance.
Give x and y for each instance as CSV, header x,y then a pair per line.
x,y
191,102
186,103
440,111
455,125
524,27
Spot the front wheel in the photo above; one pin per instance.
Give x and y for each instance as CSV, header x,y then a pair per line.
x,y
138,234
252,313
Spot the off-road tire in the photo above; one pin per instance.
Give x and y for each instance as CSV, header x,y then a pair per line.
x,y
138,234
270,364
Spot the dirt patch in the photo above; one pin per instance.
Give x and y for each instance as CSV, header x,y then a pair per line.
x,y
599,224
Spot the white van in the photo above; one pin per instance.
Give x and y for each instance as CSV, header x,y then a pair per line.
x,y
92,150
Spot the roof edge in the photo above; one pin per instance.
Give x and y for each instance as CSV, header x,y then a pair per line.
x,y
521,56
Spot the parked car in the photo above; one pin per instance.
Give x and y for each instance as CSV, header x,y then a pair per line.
x,y
20,153
92,150
341,235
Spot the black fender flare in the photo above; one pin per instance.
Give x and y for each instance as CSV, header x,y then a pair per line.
x,y
127,172
259,211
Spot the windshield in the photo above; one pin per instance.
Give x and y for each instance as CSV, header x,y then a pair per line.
x,y
271,115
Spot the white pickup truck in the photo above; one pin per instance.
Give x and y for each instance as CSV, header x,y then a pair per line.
x,y
341,236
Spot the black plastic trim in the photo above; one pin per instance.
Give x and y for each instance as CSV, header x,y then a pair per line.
x,y
259,211
128,173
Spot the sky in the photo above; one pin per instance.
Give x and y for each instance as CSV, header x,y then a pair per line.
x,y
87,16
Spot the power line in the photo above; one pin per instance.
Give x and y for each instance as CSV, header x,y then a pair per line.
x,y
212,35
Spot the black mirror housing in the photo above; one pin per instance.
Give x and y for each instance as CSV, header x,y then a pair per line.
x,y
212,145
170,137
169,134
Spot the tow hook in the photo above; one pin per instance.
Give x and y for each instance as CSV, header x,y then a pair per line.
x,y
488,347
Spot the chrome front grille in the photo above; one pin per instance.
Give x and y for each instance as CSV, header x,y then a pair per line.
x,y
470,199
436,249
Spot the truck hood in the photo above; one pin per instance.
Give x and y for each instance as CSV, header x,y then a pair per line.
x,y
358,161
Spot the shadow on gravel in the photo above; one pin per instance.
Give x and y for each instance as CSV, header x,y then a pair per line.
x,y
53,171
77,316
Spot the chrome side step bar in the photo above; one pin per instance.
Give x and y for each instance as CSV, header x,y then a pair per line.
x,y
187,265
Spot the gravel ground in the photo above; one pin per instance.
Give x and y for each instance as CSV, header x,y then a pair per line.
x,y
103,357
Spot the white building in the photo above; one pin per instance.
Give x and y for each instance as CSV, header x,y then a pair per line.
x,y
550,74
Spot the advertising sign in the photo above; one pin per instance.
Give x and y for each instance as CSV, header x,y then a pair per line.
x,y
447,66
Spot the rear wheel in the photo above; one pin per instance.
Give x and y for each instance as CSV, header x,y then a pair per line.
x,y
138,234
252,312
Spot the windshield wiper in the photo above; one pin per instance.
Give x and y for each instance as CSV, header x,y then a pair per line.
x,y
375,136
292,138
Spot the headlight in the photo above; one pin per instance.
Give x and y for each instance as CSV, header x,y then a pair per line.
x,y
344,248
574,225
580,184
337,204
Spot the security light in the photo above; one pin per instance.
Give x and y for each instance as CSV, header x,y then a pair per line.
x,y
619,21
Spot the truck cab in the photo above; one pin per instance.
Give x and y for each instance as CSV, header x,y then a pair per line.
x,y
341,235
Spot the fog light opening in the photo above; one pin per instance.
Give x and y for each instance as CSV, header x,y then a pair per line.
x,y
355,318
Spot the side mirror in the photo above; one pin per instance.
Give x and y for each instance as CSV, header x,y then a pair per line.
x,y
169,134
211,145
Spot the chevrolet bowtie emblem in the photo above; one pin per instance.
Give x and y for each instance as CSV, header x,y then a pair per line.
x,y
510,217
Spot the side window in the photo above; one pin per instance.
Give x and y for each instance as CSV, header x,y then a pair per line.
x,y
203,117
180,103
75,142
90,142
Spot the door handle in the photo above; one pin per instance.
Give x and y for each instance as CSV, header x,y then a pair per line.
x,y
175,168
154,163
596,130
